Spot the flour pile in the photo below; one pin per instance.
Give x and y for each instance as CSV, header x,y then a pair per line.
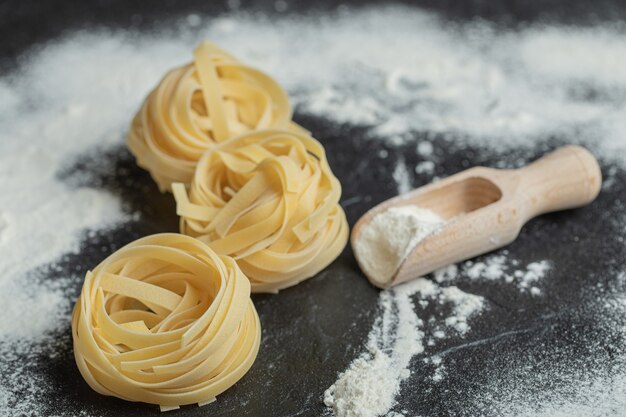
x,y
389,237
368,388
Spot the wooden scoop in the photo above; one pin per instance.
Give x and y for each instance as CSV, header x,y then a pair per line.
x,y
485,208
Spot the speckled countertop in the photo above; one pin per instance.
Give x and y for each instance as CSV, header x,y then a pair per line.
x,y
314,330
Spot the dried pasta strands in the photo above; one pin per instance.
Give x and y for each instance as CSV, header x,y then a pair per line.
x,y
167,321
199,105
268,199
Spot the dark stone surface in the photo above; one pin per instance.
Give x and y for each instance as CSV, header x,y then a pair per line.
x,y
313,331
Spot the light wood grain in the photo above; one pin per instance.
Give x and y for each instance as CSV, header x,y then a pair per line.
x,y
486,208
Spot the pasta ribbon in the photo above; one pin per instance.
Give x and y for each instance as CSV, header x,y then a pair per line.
x,y
199,105
268,199
167,321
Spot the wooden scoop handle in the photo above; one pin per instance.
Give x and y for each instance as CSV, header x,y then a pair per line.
x,y
566,178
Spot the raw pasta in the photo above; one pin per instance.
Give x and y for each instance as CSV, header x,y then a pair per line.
x,y
269,199
199,105
165,320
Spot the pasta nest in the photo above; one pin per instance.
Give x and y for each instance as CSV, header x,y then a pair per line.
x,y
199,105
270,200
165,320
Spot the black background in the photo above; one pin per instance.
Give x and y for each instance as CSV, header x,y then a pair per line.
x,y
313,331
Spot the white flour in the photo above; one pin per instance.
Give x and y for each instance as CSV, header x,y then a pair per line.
x,y
465,306
390,236
492,269
375,391
392,70
52,112
369,386
425,167
496,267
402,177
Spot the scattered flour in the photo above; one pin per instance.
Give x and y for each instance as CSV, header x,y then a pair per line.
x,y
561,382
534,272
368,397
447,273
439,374
465,306
369,386
496,267
484,84
52,112
389,237
425,149
492,269
402,177
425,167
69,99
491,86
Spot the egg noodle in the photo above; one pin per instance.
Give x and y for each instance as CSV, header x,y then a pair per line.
x,y
199,105
268,199
167,321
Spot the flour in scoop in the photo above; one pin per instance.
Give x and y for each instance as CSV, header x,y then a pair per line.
x,y
390,236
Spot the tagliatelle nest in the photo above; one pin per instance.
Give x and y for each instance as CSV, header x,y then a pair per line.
x,y
199,105
270,200
165,320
